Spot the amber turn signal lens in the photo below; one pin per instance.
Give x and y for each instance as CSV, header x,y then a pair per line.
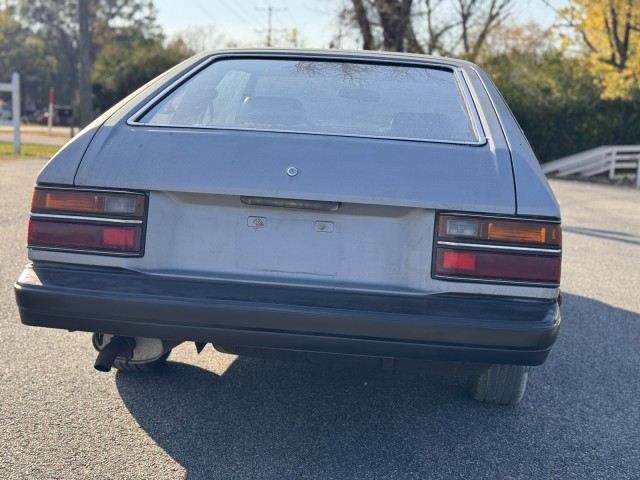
x,y
518,231
66,201
101,203
524,232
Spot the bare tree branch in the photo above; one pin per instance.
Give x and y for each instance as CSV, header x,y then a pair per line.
x,y
413,45
477,19
368,42
435,29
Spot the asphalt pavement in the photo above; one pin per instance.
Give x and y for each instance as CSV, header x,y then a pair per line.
x,y
215,416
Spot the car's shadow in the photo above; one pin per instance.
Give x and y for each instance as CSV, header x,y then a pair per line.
x,y
273,419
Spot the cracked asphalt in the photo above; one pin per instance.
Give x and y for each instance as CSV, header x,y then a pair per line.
x,y
215,416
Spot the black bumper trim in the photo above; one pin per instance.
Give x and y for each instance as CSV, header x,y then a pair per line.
x,y
479,329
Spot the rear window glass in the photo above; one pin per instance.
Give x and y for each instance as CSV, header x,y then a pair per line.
x,y
339,98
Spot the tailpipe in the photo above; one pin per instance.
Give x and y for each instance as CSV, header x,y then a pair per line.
x,y
117,347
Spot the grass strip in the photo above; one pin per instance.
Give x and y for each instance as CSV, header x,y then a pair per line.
x,y
27,151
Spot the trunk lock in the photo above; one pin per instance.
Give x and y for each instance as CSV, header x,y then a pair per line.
x,y
325,227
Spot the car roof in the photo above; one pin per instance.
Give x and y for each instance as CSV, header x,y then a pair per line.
x,y
341,54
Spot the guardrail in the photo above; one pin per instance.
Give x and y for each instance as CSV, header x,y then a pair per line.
x,y
616,160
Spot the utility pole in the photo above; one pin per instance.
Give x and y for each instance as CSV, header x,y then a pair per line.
x,y
270,11
86,105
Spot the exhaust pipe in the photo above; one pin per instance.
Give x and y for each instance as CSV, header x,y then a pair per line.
x,y
117,347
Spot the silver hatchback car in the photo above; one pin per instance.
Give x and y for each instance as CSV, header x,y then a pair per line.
x,y
303,202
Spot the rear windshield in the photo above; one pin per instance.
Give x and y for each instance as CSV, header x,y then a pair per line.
x,y
339,98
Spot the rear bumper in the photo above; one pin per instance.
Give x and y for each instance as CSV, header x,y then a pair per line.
x,y
477,329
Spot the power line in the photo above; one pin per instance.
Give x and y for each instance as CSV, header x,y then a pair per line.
x,y
249,14
240,15
289,14
208,14
204,10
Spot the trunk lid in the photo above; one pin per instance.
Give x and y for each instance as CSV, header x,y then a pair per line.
x,y
330,168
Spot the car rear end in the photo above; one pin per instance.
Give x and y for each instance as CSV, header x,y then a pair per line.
x,y
353,204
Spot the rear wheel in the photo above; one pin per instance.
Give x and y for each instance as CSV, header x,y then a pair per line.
x,y
501,384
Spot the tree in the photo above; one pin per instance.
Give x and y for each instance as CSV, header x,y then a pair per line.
x,y
360,13
25,53
129,50
477,19
201,39
556,100
84,54
56,22
449,27
393,17
608,33
436,28
121,68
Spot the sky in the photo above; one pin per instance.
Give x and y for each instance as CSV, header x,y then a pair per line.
x,y
210,24
246,21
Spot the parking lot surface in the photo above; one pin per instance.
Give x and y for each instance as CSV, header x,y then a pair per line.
x,y
213,415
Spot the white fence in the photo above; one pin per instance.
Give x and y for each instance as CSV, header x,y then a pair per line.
x,y
616,161
14,88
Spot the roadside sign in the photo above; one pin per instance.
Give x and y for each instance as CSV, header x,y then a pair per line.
x,y
14,88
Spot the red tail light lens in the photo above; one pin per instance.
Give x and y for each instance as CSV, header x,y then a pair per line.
x,y
498,266
456,261
107,238
121,237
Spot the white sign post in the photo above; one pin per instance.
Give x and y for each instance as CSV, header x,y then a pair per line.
x,y
14,88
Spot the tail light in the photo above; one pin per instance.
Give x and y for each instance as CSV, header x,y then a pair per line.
x,y
498,249
90,221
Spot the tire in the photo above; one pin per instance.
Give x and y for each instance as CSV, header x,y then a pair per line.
x,y
124,365
500,384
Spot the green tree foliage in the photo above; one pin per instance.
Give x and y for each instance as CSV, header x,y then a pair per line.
x,y
123,67
40,39
56,22
22,52
129,50
557,101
